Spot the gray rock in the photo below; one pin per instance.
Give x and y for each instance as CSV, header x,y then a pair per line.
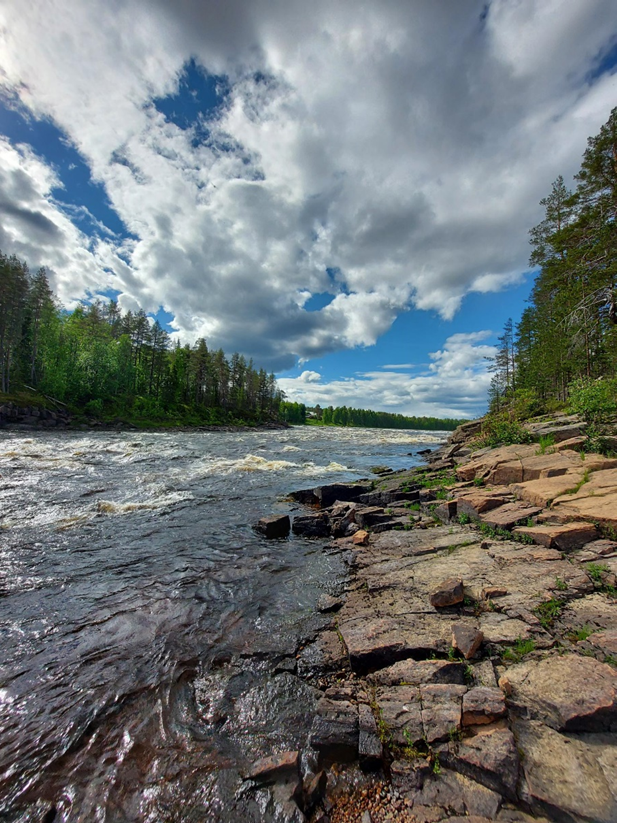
x,y
312,525
335,731
328,495
467,639
483,705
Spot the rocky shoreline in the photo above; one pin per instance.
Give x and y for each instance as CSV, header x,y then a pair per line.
x,y
468,672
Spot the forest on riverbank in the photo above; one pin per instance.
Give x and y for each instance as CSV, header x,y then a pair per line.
x,y
564,346
113,366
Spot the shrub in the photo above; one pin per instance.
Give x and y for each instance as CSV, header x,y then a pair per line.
x,y
594,400
499,431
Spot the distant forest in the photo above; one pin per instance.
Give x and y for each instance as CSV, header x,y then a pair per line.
x,y
566,339
107,364
104,363
344,416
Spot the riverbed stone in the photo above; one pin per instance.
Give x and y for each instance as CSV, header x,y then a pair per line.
x,y
312,525
274,526
571,693
448,593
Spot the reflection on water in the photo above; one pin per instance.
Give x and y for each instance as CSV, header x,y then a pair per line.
x,y
139,612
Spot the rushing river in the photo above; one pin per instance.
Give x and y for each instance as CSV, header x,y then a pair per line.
x,y
129,578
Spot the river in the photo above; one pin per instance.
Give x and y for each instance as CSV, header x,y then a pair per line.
x,y
140,614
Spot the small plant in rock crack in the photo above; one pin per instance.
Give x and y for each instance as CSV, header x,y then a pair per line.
x,y
464,519
469,674
549,611
582,633
455,734
518,650
478,481
560,584
410,752
596,570
436,765
611,660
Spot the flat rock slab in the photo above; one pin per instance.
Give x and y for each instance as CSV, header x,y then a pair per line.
x,y
606,641
509,515
565,775
565,537
490,757
596,508
272,768
542,492
457,793
415,672
570,693
441,710
401,710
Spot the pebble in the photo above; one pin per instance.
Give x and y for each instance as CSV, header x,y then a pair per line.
x,y
376,804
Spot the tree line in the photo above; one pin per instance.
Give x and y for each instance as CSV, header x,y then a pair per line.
x,y
101,360
298,413
567,336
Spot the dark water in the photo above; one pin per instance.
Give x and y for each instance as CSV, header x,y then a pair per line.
x,y
141,617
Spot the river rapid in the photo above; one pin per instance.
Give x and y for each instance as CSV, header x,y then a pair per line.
x,y
147,634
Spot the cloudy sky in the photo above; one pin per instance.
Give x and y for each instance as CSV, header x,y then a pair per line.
x,y
340,189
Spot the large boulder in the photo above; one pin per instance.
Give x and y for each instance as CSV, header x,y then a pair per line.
x,y
328,495
275,526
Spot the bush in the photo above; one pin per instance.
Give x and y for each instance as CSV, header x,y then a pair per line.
x,y
499,431
594,400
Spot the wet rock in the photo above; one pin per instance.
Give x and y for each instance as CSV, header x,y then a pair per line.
x,y
328,495
565,776
490,757
414,672
448,593
467,639
275,526
312,525
305,496
360,538
325,655
566,537
370,749
571,693
483,705
335,731
270,769
327,603
315,789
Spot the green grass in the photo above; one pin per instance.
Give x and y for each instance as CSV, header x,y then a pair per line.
x,y
515,653
545,445
560,584
464,519
549,611
582,633
596,571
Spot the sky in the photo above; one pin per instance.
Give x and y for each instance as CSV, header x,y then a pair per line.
x,y
341,190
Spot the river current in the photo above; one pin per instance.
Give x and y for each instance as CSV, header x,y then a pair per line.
x,y
140,614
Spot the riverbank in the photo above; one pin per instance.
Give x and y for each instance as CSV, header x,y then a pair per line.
x,y
468,672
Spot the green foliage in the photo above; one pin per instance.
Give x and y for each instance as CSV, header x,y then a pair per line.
x,y
478,481
546,444
582,633
500,431
515,653
464,519
560,584
367,418
595,400
596,571
549,611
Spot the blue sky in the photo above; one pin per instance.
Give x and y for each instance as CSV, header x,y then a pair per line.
x,y
342,193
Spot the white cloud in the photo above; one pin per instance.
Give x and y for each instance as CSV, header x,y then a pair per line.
x,y
405,145
309,377
455,384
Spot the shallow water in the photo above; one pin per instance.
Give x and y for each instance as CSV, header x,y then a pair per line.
x,y
140,614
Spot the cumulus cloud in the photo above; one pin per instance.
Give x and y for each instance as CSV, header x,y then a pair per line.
x,y
388,154
454,384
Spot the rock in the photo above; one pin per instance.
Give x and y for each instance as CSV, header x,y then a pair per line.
x,y
484,674
565,776
467,639
269,769
458,794
401,711
570,693
490,757
370,750
373,643
408,776
328,495
595,508
327,603
483,705
448,593
558,433
370,516
360,538
312,525
446,511
315,789
415,672
478,502
334,733
305,496
275,526
566,537
542,492
606,641
491,592
509,515
325,655
441,710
